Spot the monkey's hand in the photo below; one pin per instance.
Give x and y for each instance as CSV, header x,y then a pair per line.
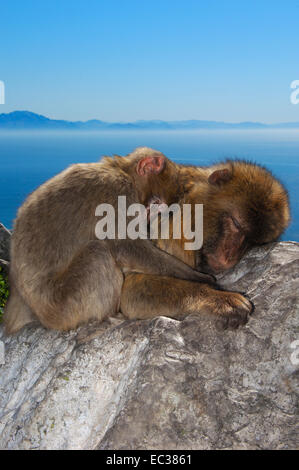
x,y
144,295
232,308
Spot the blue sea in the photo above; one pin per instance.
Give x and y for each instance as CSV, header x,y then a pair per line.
x,y
28,159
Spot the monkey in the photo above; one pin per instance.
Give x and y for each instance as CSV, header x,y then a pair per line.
x,y
244,206
60,272
63,276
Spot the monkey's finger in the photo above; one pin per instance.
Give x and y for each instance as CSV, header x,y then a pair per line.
x,y
239,301
250,304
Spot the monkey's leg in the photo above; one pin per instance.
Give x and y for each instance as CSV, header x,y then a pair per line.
x,y
91,285
16,313
89,288
146,296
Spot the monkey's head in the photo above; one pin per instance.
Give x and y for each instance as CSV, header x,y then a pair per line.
x,y
244,206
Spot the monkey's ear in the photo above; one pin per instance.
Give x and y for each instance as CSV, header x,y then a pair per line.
x,y
220,176
150,165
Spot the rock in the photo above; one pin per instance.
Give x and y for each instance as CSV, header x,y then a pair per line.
x,y
162,383
4,242
5,266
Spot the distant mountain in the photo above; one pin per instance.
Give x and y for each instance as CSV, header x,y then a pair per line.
x,y
25,120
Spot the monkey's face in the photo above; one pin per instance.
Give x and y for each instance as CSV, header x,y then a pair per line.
x,y
245,206
224,248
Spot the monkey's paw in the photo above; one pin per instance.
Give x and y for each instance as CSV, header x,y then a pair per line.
x,y
233,310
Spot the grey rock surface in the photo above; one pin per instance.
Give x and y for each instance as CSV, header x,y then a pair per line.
x,y
4,265
4,243
163,383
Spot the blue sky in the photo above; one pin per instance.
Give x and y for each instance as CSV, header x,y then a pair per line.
x,y
123,60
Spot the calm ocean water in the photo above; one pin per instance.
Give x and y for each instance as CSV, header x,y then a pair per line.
x,y
29,159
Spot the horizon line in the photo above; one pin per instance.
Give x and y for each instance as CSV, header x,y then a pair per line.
x,y
172,121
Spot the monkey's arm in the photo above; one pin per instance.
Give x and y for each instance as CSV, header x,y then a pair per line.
x,y
142,256
146,296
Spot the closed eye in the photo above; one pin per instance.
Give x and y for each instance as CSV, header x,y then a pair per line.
x,y
236,223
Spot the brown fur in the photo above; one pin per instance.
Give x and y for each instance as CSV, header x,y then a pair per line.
x,y
60,273
259,206
252,195
63,276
